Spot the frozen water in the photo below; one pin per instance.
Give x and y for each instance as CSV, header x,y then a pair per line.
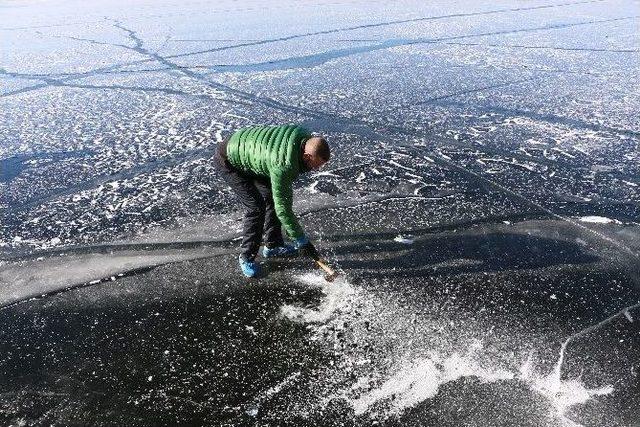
x,y
483,200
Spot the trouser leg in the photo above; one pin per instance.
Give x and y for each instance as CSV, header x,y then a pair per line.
x,y
253,225
272,226
255,207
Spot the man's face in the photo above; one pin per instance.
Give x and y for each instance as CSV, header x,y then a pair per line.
x,y
313,163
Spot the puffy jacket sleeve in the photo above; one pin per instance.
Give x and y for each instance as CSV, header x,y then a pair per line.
x,y
282,191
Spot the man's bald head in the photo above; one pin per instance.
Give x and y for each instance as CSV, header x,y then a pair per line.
x,y
316,152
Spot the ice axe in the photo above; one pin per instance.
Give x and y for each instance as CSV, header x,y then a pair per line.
x,y
331,273
309,250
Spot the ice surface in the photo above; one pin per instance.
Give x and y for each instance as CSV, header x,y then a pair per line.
x,y
413,380
483,199
36,277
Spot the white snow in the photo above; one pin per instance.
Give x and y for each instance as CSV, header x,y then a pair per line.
x,y
419,379
337,297
561,393
312,188
598,220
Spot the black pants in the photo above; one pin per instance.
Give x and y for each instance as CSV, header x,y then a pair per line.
x,y
260,216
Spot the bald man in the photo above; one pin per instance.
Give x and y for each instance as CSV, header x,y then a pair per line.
x,y
260,164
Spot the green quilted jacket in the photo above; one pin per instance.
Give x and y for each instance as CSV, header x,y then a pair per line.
x,y
273,152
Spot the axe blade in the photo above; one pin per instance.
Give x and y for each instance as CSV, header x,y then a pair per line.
x,y
331,274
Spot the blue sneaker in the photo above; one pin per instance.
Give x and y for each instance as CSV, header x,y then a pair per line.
x,y
279,251
249,268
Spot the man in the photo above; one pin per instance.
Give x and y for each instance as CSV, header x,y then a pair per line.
x,y
260,163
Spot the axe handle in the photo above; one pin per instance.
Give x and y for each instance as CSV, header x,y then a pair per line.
x,y
322,264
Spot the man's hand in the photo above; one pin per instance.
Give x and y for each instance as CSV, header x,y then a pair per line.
x,y
306,248
310,251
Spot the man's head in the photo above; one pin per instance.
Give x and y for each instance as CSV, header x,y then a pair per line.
x,y
316,153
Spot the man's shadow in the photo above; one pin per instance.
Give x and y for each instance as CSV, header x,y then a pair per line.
x,y
440,255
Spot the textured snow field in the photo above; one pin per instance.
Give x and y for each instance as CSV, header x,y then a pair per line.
x,y
110,112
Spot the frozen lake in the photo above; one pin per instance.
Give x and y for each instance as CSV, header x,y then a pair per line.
x,y
482,201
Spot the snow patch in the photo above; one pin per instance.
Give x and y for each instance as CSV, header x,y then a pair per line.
x,y
418,380
312,188
562,394
337,296
599,220
405,240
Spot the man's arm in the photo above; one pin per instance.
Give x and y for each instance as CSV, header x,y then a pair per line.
x,y
282,191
